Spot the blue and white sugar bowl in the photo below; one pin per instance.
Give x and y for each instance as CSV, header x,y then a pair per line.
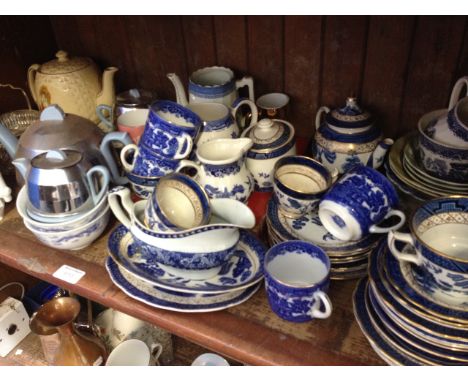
x,y
272,139
348,136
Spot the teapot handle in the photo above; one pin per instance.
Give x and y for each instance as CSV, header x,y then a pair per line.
x,y
107,121
32,82
456,91
97,196
253,111
125,139
318,116
247,81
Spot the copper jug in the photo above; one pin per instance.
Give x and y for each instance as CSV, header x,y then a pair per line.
x,y
75,349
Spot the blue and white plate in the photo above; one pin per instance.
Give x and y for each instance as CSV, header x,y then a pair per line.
x,y
176,301
417,288
309,228
453,333
376,340
244,268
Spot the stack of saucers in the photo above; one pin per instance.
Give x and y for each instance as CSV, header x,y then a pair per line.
x,y
406,322
349,259
405,171
211,265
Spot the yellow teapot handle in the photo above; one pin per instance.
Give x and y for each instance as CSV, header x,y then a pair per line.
x,y
32,81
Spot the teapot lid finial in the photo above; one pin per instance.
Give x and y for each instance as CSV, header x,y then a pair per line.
x,y
61,56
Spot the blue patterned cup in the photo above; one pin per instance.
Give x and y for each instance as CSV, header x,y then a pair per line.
x,y
170,130
357,203
439,241
142,162
297,276
299,183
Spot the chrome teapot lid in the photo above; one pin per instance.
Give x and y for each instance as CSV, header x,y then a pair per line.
x,y
56,159
349,116
136,98
64,64
269,135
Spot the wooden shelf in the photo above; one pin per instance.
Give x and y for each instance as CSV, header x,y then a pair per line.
x,y
249,333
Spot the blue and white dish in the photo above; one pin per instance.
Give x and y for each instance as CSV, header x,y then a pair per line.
x,y
357,203
243,269
175,301
439,236
170,130
408,344
373,336
142,186
76,238
299,183
297,277
310,228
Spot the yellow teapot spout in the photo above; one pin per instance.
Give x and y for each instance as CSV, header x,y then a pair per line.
x,y
107,94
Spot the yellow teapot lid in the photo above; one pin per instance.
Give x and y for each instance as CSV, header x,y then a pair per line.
x,y
64,64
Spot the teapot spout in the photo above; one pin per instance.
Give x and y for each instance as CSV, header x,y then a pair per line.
x,y
181,96
22,165
8,140
378,156
107,94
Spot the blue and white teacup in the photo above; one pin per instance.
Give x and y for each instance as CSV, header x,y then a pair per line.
x,y
297,277
145,163
170,130
141,185
439,237
299,183
178,202
357,203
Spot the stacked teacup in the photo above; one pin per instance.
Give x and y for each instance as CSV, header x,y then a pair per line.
x,y
340,218
169,134
61,204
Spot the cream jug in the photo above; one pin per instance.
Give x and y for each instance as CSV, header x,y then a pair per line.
x,y
223,172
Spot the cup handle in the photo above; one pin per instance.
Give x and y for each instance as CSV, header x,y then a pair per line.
x,y
457,88
247,81
253,111
315,311
125,139
123,209
123,156
318,116
156,351
105,120
376,229
97,196
392,237
188,148
188,163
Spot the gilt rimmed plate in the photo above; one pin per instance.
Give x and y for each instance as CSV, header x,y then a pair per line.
x,y
409,280
171,300
408,344
310,228
243,269
374,338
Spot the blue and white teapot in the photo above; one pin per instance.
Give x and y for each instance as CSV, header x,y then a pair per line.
x,y
348,137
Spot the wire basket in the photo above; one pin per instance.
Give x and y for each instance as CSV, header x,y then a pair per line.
x,y
17,122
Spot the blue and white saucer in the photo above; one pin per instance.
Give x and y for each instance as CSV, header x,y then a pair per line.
x,y
383,349
417,288
244,269
175,301
310,228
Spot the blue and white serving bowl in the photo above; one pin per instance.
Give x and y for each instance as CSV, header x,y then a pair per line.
x,y
77,238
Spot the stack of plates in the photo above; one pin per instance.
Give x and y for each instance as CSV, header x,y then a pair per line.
x,y
349,259
406,324
147,282
405,171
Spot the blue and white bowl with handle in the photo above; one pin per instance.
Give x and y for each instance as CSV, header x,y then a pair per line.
x,y
357,203
439,238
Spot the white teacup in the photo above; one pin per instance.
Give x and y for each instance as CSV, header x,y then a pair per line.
x,y
134,353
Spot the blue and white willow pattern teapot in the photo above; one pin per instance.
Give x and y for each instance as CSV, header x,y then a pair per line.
x,y
348,136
